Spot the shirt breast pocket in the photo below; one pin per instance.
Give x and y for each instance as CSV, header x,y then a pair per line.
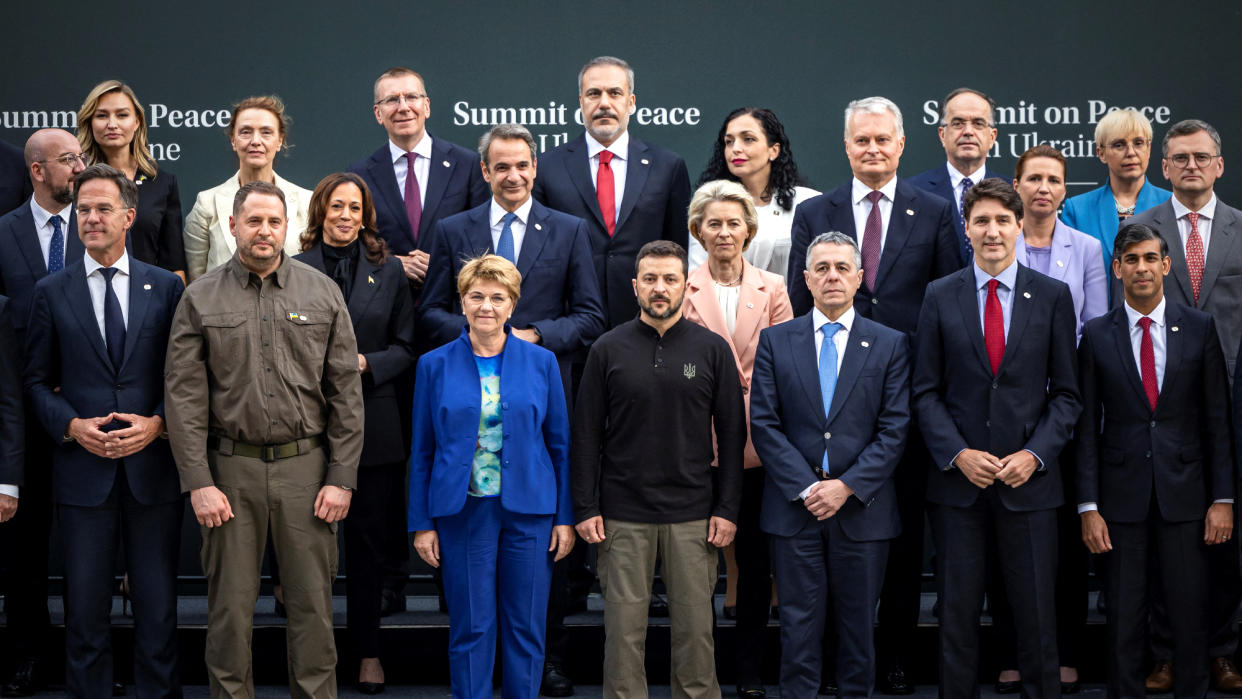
x,y
306,336
226,335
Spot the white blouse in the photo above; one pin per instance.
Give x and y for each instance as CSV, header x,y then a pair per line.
x,y
769,250
727,297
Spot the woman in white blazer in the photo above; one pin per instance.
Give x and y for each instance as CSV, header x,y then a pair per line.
x,y
257,132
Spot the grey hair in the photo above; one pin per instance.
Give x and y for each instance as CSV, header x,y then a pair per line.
x,y
874,105
607,61
834,238
1189,127
506,132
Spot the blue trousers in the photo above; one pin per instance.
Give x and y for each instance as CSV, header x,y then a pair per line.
x,y
497,573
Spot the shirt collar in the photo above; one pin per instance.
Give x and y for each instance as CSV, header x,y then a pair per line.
x,y
620,148
1156,315
422,148
956,177
242,273
121,265
523,212
1208,211
42,216
1008,276
819,320
860,190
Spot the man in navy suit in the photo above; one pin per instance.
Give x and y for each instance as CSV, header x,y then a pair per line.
x,y
996,394
629,191
906,238
94,373
967,132
36,238
1155,463
829,412
560,307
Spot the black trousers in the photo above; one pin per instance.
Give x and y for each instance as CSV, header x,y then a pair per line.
x,y
754,580
900,597
24,542
370,539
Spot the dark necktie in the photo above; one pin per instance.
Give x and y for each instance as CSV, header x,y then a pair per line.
x,y
994,327
56,251
961,209
606,192
828,372
413,196
871,241
504,247
1195,256
1147,363
114,321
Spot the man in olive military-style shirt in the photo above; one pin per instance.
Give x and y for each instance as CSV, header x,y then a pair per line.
x,y
265,414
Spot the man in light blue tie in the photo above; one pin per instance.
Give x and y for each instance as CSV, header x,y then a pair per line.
x,y
829,414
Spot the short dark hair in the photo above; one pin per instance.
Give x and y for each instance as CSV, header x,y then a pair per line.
x,y
257,187
1135,233
662,248
944,104
992,188
102,171
1187,127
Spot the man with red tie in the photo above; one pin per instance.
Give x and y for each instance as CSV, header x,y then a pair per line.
x,y
1155,468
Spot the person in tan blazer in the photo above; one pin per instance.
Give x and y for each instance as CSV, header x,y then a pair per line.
x,y
257,132
735,299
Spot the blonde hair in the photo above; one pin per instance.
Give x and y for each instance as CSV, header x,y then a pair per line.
x,y
86,136
723,190
1121,123
490,268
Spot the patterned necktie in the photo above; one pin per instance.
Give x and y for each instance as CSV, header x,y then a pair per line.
x,y
413,196
828,371
961,209
994,327
1195,255
56,251
114,321
871,241
606,192
505,247
1147,363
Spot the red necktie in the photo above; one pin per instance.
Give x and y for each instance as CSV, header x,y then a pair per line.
x,y
1147,363
871,241
994,327
1194,255
413,198
605,191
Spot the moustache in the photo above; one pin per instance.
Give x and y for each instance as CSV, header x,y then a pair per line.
x,y
604,113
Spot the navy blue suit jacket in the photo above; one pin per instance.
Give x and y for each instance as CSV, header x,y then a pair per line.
x,y
454,184
12,416
653,207
1180,453
15,186
21,262
560,294
936,181
65,350
864,431
1032,402
920,247
382,313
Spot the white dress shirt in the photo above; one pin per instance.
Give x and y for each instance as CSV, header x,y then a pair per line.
x,y
43,226
620,150
95,281
518,226
1206,214
862,209
422,165
955,179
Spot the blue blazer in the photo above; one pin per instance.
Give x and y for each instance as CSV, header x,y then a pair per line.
x,y
938,182
12,416
560,294
920,247
653,207
15,186
1076,261
21,263
534,478
1031,403
1095,213
864,431
65,351
454,184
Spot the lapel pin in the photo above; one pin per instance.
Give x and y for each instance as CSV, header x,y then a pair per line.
x,y
446,164
909,212
371,280
646,162
865,343
750,305
146,287
1174,328
1026,294
538,227
1060,263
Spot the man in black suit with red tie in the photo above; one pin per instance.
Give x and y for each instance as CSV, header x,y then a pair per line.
x,y
1155,463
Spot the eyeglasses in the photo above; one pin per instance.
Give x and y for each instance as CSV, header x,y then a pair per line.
x,y
978,124
1121,145
68,159
394,101
1182,160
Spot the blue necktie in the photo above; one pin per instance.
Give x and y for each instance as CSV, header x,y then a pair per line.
x,y
961,209
828,371
114,321
56,251
505,247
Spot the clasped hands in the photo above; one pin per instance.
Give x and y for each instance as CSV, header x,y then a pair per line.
x,y
983,469
115,444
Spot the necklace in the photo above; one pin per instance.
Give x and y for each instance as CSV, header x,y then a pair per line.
x,y
1124,210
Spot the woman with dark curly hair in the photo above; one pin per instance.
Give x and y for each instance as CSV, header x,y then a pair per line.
x,y
752,149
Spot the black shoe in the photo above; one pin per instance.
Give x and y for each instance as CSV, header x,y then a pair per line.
x,y
279,609
751,691
555,683
391,603
730,613
828,688
26,679
1070,687
576,605
658,606
1101,604
894,682
776,612
1008,687
118,689
370,687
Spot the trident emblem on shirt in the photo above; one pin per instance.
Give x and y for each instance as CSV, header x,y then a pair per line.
x,y
688,371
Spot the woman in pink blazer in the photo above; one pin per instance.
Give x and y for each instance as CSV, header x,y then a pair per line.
x,y
735,299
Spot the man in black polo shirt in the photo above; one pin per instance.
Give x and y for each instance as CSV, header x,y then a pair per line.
x,y
643,484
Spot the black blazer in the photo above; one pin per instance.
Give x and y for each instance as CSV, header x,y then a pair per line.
x,y
920,247
382,314
1180,452
155,238
938,182
21,260
15,186
455,184
12,417
653,207
1032,402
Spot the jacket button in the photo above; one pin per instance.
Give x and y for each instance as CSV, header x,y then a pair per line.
x,y
995,385
1153,423
874,301
827,435
1148,455
988,423
745,390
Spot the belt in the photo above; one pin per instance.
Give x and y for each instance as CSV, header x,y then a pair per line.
x,y
266,452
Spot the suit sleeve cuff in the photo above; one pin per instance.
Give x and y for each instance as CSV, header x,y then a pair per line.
x,y
13,491
1087,507
1041,461
952,462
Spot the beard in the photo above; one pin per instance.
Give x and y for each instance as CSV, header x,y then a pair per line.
x,y
63,195
673,307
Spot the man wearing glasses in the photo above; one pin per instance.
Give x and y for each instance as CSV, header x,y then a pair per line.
x,y
1203,237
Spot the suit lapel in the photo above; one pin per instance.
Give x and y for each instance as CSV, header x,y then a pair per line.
x,y
536,236
78,300
479,233
968,303
27,239
752,308
1020,312
314,257
223,202
899,222
385,178
366,284
578,162
1125,352
1166,224
439,171
637,167
806,364
1174,348
702,294
1221,248
74,249
855,358
139,300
